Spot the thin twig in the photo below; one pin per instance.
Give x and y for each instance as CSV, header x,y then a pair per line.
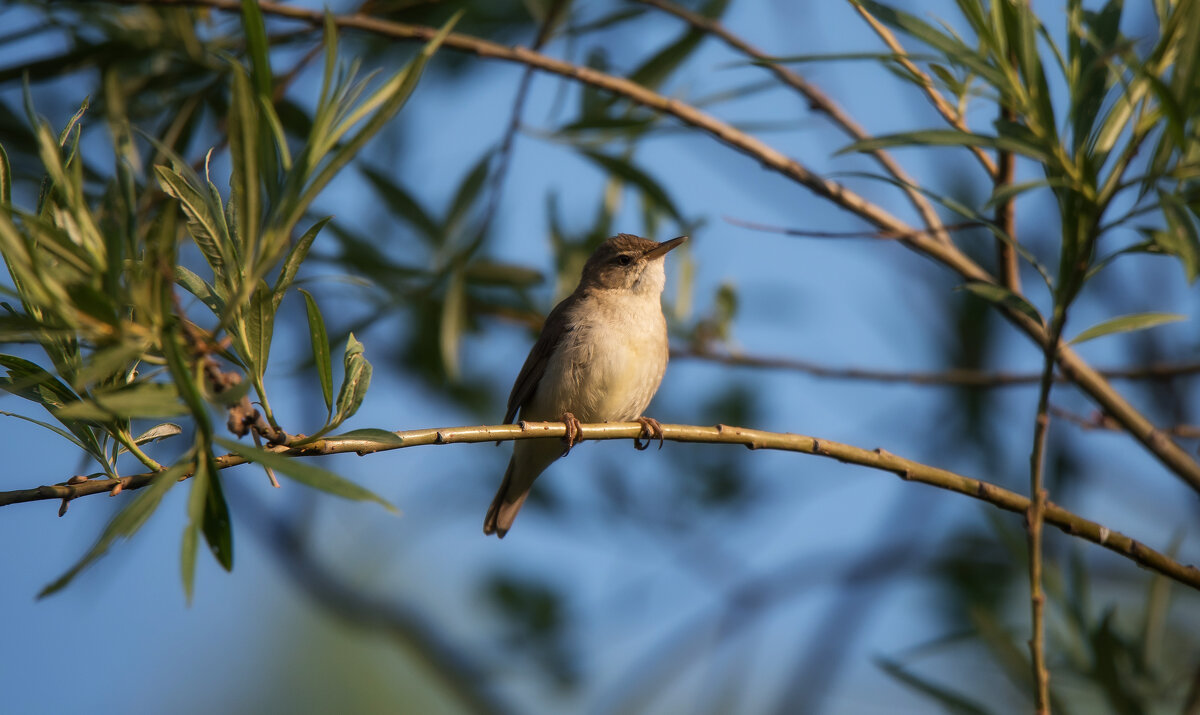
x,y
818,101
953,377
950,114
802,233
1035,517
1008,266
1075,368
877,459
1099,421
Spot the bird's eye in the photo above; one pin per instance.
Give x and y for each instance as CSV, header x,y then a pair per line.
x,y
624,259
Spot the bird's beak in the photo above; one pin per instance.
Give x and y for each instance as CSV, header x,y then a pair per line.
x,y
662,248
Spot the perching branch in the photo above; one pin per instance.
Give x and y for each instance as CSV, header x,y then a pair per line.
x,y
878,459
1075,368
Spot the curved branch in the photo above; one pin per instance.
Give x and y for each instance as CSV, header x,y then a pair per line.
x,y
1074,367
878,459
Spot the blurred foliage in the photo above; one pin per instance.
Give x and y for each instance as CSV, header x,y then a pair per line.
x,y
147,287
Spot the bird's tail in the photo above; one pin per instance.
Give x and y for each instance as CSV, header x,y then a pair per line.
x,y
504,508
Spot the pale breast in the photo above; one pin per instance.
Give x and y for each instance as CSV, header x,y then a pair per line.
x,y
608,367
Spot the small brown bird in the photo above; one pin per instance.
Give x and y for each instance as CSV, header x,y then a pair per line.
x,y
600,357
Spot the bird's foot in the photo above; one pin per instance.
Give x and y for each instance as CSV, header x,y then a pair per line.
x,y
651,430
571,438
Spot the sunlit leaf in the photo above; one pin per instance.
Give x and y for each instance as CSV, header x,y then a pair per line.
x,y
355,381
1125,324
320,347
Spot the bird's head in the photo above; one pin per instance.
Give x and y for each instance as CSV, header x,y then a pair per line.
x,y
628,262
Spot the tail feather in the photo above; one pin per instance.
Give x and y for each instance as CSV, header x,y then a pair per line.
x,y
504,508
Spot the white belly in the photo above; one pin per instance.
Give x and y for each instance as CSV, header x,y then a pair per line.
x,y
609,367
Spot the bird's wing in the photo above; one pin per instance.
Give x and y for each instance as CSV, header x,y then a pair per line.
x,y
553,331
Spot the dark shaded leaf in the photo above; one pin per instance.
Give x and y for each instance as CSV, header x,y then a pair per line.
x,y
124,525
624,170
1002,296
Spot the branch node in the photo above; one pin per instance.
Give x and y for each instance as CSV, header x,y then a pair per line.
x,y
77,479
116,489
62,510
1104,534
440,439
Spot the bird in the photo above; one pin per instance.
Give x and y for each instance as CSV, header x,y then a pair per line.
x,y
600,357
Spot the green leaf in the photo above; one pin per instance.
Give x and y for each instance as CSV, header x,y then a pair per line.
x,y
124,525
468,192
403,205
143,399
259,328
654,71
5,179
53,428
1002,296
949,137
320,348
305,473
355,381
295,258
1181,239
381,437
205,224
1127,323
949,700
624,170
200,288
256,46
218,531
451,326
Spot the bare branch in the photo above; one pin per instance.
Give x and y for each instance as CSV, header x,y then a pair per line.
x,y
878,459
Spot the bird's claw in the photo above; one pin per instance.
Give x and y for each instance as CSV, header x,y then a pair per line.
x,y
651,430
572,437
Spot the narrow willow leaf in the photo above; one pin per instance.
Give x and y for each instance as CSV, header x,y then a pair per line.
x,y
145,399
403,205
948,137
381,437
206,229
630,174
124,525
244,184
195,509
451,326
355,381
1002,296
654,72
53,428
949,700
1181,239
257,46
259,319
5,178
1127,323
468,192
298,470
320,348
217,528
295,258
200,288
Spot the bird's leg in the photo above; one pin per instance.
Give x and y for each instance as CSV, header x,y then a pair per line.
x,y
651,430
572,437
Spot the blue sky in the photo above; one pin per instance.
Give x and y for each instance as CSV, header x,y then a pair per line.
x,y
122,638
